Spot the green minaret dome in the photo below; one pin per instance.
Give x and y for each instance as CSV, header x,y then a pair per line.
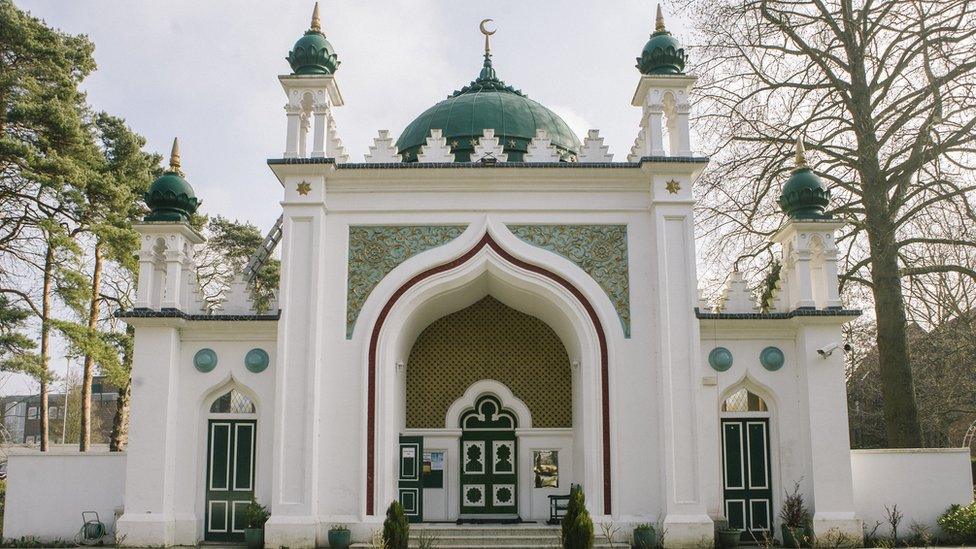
x,y
662,54
170,197
488,102
805,196
313,54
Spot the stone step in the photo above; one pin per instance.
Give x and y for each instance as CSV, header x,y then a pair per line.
x,y
524,536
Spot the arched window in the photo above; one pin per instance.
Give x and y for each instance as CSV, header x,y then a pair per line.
x,y
744,400
233,402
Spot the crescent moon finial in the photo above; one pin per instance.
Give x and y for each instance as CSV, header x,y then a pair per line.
x,y
487,33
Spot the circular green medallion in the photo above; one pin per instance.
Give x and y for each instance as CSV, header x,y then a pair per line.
x,y
256,360
772,358
720,359
205,360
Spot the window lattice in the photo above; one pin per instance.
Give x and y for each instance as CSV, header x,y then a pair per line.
x,y
233,402
744,400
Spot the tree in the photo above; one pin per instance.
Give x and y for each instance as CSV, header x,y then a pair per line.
x,y
882,92
229,246
45,151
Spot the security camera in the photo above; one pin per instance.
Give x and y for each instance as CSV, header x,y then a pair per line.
x,y
824,352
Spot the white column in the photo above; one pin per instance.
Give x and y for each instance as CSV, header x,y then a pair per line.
x,y
654,129
825,395
174,279
297,408
294,115
158,279
685,513
681,144
803,281
318,129
303,135
147,270
150,480
831,283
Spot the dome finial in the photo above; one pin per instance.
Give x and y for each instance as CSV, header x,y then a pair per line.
x,y
801,159
174,157
660,20
316,22
487,34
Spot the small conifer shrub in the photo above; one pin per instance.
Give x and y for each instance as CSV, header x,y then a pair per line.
x,y
396,529
577,527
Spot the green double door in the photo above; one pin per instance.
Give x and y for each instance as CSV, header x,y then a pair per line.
x,y
230,478
489,459
747,476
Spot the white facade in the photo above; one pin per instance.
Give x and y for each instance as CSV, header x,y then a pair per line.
x,y
670,402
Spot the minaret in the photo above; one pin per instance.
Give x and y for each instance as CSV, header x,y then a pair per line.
x,y
312,92
808,240
663,93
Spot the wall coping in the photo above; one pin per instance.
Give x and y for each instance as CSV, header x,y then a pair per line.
x,y
911,451
21,451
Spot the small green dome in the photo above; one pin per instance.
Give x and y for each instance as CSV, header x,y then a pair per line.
x,y
313,54
488,103
805,196
662,54
170,197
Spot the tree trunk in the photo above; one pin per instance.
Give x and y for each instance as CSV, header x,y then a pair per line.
x,y
84,436
45,341
120,422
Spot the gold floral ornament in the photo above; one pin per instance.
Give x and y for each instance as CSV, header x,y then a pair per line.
x,y
672,186
304,188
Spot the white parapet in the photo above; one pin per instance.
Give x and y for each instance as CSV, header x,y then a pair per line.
x,y
594,150
541,149
382,151
489,147
436,149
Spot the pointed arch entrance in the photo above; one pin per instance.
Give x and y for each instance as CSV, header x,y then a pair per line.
x,y
588,329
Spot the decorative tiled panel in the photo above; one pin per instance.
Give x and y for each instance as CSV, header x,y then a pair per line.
x,y
489,340
374,251
600,250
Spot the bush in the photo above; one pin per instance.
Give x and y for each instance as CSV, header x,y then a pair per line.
x,y
396,529
255,515
959,523
794,512
577,527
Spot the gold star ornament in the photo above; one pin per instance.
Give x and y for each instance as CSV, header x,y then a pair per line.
x,y
304,188
672,186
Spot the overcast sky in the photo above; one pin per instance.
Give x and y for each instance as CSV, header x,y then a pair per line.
x,y
206,71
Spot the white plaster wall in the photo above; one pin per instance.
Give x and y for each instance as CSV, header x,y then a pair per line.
x,y
922,482
47,492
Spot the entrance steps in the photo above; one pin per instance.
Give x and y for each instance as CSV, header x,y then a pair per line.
x,y
492,536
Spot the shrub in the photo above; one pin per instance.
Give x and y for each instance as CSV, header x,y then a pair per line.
x,y
959,523
396,529
577,527
794,511
255,515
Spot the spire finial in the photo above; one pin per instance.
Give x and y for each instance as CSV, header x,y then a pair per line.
x,y
660,20
801,159
174,157
316,23
487,34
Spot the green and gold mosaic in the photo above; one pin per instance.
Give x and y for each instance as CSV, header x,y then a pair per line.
x,y
374,251
600,250
489,340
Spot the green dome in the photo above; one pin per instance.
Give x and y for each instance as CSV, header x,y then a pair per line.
x,y
488,103
313,54
805,196
662,54
170,197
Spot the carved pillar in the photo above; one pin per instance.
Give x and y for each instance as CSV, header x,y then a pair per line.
x,y
319,112
294,115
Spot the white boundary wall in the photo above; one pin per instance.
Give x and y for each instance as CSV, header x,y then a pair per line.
x,y
46,493
923,482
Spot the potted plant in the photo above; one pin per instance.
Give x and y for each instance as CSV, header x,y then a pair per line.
x,y
255,515
644,536
729,537
796,519
339,537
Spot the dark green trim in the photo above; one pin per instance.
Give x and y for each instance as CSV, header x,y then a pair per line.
x,y
176,313
777,316
480,165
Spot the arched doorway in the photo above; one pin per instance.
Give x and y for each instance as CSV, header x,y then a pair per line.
x,y
231,436
488,389
746,463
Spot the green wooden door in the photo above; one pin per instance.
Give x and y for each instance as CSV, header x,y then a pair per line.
x,y
747,476
230,477
410,489
489,471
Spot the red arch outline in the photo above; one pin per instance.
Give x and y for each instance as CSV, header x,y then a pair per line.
x,y
486,240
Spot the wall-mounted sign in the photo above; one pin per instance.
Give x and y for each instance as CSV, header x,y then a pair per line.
x,y
545,465
433,470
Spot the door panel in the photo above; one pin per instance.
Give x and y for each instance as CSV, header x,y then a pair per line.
x,y
746,476
489,458
410,490
230,478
